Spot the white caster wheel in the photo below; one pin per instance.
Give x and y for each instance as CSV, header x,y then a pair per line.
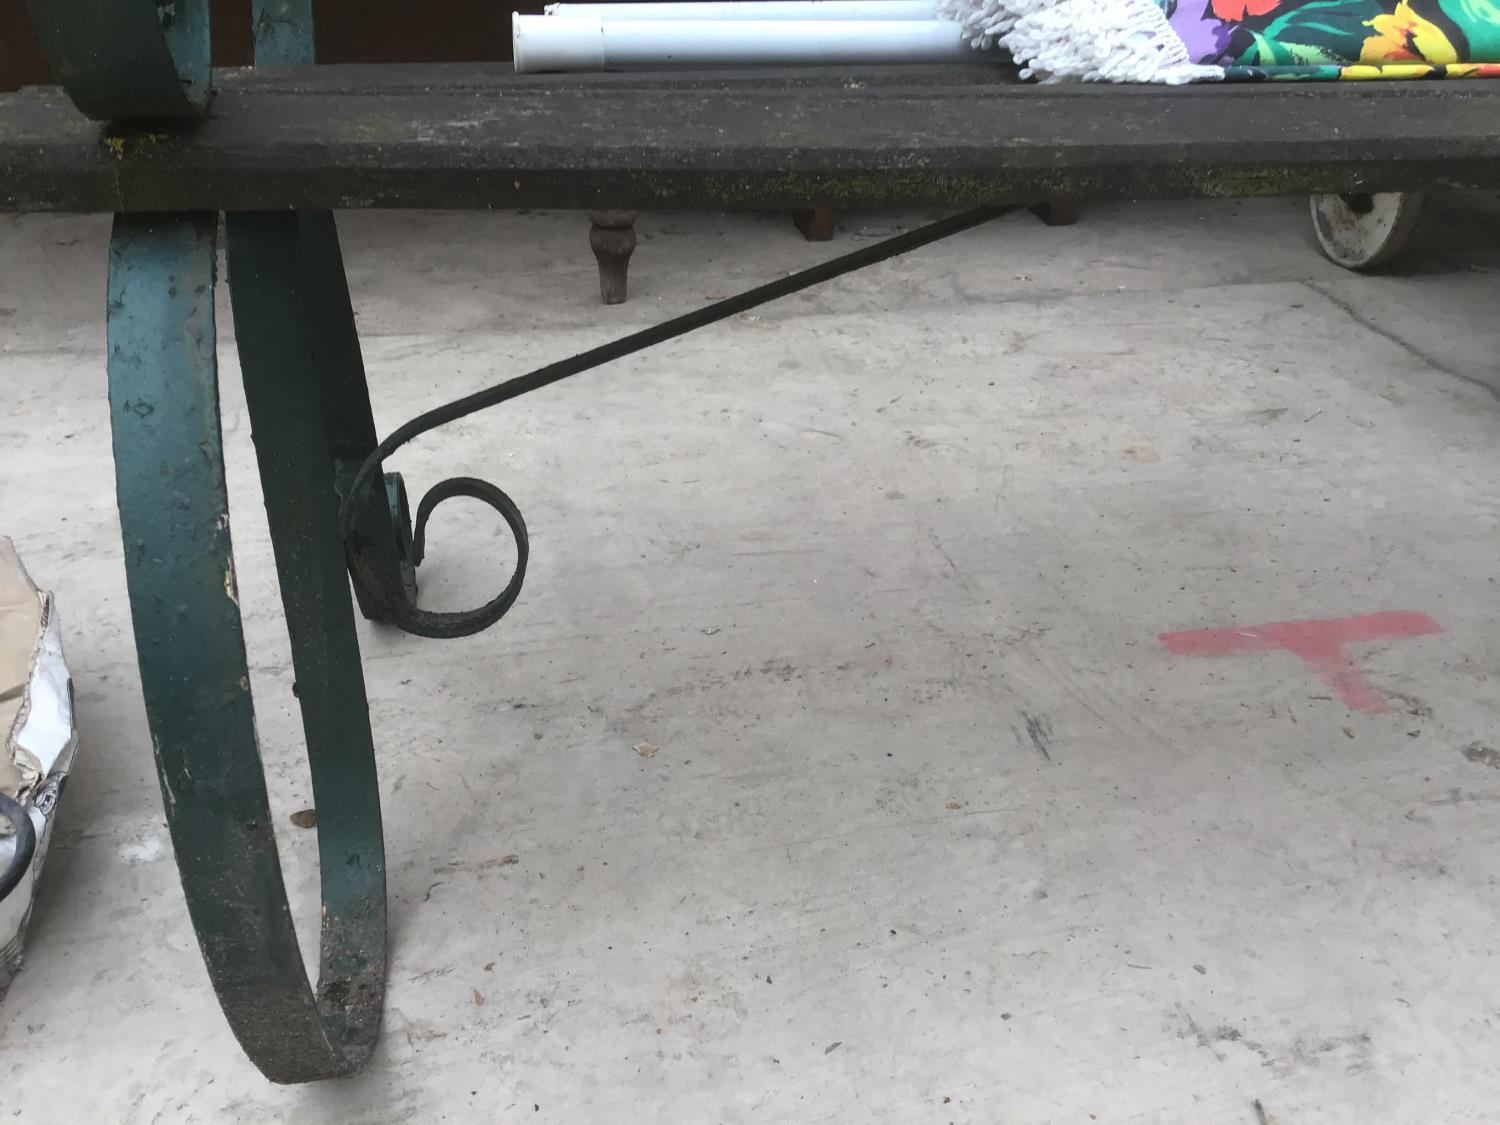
x,y
1364,231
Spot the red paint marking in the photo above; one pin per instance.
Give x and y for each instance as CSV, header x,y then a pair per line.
x,y
1321,644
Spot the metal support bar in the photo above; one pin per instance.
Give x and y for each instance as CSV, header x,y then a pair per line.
x,y
329,349
292,299
180,572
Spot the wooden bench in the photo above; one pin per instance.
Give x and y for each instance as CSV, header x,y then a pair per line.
x,y
472,137
279,149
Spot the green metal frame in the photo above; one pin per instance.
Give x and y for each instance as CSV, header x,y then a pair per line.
x,y
125,60
323,317
315,443
292,310
134,60
180,570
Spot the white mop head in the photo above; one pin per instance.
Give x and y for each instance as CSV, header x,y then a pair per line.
x,y
1088,40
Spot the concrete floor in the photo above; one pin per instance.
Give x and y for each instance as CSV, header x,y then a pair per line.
x,y
939,829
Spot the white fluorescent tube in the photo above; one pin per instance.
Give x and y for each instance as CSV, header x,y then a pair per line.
x,y
570,43
754,10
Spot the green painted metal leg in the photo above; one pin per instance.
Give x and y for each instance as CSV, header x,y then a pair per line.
x,y
283,32
307,263
127,60
292,311
180,570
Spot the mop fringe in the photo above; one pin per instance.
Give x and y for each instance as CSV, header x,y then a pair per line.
x,y
1081,40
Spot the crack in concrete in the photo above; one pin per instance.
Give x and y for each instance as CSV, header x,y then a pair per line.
x,y
1409,348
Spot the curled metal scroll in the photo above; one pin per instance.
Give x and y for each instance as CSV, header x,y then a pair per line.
x,y
396,606
129,60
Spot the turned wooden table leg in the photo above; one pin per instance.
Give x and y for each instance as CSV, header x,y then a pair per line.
x,y
1057,212
815,223
613,238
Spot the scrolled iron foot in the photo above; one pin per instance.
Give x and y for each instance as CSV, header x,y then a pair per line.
x,y
442,625
380,544
184,601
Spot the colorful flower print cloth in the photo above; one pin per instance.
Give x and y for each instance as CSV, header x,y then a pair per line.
x,y
1177,41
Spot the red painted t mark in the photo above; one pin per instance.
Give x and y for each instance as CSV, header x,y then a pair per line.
x,y
1321,644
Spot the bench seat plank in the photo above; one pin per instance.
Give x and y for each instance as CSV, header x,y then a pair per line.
x,y
469,136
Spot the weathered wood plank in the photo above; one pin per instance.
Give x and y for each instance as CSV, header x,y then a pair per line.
x,y
469,136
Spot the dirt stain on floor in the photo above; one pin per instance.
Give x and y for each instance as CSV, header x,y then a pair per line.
x,y
1482,755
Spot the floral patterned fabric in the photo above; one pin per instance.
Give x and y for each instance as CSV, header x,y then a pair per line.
x,y
1255,40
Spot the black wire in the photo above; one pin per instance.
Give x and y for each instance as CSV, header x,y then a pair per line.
x,y
393,607
25,837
